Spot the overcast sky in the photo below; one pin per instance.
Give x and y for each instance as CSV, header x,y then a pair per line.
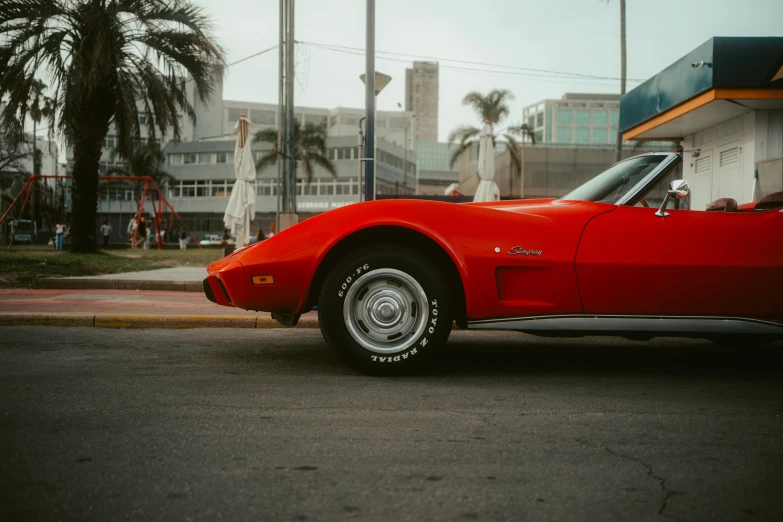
x,y
577,36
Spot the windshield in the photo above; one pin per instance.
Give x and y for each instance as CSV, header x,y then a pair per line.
x,y
24,226
611,185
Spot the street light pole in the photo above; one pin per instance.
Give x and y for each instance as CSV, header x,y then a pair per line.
x,y
369,105
290,146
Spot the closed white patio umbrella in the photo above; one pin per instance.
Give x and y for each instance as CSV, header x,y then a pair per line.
x,y
241,209
487,189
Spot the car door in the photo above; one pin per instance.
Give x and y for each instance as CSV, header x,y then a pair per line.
x,y
689,263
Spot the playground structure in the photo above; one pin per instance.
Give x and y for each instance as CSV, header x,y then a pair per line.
x,y
159,206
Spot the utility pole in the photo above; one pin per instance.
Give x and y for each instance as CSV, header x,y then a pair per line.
x,y
286,145
290,147
369,105
280,118
618,150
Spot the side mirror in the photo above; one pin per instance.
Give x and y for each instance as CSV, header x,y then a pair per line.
x,y
678,189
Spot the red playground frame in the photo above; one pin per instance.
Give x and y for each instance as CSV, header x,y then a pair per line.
x,y
149,187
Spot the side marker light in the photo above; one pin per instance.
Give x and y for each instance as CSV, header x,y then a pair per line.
x,y
263,279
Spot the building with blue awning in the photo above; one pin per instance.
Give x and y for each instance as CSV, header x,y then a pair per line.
x,y
724,102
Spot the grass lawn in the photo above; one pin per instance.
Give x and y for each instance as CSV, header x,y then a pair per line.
x,y
26,264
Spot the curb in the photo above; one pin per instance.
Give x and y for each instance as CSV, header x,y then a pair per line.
x,y
79,283
147,321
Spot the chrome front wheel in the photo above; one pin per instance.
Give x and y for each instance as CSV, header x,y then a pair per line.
x,y
385,311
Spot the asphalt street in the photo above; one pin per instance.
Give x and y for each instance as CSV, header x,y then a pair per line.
x,y
266,425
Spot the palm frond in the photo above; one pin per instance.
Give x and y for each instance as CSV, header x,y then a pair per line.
x,y
325,163
267,160
266,135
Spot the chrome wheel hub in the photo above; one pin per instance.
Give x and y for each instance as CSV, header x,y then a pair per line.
x,y
385,311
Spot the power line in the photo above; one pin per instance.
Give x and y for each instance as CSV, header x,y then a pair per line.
x,y
491,72
467,62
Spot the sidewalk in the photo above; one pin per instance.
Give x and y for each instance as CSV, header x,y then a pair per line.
x,y
188,279
129,309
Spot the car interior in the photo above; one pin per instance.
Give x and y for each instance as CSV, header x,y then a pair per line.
x,y
722,205
770,202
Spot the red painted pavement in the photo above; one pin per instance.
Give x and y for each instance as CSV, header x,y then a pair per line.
x,y
113,302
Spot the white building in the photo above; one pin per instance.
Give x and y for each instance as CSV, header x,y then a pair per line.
x,y
219,119
726,109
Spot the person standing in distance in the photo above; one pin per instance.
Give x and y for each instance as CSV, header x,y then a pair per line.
x,y
142,232
183,239
106,232
59,232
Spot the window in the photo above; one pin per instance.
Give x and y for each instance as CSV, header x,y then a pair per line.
x,y
615,117
582,117
531,121
221,157
205,158
190,158
539,119
614,183
142,118
563,117
539,136
265,117
582,134
600,135
328,189
202,190
110,142
564,134
600,118
333,121
218,189
346,152
188,189
234,114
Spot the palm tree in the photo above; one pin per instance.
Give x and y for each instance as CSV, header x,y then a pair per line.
x,y
39,107
309,148
108,60
491,108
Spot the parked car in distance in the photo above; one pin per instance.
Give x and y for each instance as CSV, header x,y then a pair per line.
x,y
210,240
23,231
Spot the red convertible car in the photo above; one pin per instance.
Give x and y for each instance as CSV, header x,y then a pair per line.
x,y
620,255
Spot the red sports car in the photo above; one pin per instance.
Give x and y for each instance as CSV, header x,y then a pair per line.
x,y
389,278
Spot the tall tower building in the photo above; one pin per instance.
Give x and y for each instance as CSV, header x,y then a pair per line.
x,y
421,98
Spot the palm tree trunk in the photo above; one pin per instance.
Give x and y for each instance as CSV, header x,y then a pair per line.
x,y
619,144
522,171
86,160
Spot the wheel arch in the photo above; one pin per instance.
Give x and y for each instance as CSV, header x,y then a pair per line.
x,y
399,235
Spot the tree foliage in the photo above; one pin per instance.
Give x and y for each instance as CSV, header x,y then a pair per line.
x,y
491,108
309,149
107,62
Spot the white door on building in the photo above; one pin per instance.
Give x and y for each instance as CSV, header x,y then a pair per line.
x,y
726,179
701,193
